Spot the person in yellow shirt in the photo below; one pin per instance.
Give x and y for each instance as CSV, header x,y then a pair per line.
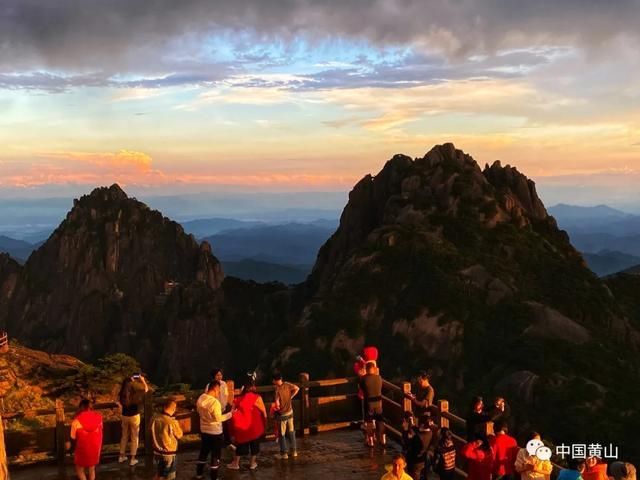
x,y
529,466
396,472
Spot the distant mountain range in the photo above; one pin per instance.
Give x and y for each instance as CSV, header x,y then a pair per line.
x,y
263,272
608,238
288,244
205,227
606,262
249,250
633,270
266,251
18,249
33,220
442,264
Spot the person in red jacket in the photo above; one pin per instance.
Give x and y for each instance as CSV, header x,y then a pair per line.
x,y
505,451
596,469
479,457
86,431
248,424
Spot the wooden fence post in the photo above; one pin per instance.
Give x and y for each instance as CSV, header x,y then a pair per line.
x,y
148,416
4,469
230,392
443,405
489,429
304,402
60,431
406,401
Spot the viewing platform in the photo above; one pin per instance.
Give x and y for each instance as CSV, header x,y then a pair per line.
x,y
325,411
334,455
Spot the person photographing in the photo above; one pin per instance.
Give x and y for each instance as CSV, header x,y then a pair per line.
x,y
129,401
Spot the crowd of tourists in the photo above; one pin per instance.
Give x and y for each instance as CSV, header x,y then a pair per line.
x,y
490,452
239,426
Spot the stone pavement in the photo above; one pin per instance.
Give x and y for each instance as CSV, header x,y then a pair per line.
x,y
327,456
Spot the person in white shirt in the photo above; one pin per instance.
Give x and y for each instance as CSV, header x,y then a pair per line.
x,y
211,418
217,374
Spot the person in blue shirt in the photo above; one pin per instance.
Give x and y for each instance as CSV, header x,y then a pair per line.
x,y
574,472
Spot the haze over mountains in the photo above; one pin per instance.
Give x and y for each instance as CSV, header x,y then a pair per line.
x,y
442,264
283,246
608,238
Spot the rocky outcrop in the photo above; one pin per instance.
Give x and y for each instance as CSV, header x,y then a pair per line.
x,y
550,323
9,273
518,192
407,192
28,378
460,270
103,277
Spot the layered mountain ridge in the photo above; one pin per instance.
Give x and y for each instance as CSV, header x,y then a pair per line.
x,y
442,264
116,276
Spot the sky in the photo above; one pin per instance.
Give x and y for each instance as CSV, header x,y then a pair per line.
x,y
173,96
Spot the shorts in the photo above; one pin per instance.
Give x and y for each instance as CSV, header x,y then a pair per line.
x,y
166,466
373,412
249,448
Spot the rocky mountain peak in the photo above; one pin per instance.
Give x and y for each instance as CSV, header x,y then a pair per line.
x,y
445,183
518,190
101,274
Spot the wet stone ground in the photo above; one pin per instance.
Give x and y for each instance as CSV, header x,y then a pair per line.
x,y
328,456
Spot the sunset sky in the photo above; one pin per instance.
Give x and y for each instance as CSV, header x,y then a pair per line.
x,y
289,95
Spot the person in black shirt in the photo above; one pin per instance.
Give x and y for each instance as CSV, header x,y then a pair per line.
x,y
499,412
477,418
371,385
424,394
129,401
444,463
418,447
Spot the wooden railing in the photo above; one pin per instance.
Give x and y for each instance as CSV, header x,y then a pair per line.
x,y
4,342
321,405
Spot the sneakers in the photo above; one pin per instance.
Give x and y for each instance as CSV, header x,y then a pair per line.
x,y
282,456
133,462
122,458
253,465
233,466
294,454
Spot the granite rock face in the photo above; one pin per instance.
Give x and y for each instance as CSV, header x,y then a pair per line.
x,y
103,277
460,270
443,265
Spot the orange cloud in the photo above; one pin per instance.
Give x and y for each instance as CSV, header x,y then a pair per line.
x,y
124,160
136,168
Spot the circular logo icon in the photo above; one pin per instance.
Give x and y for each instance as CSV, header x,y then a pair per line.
x,y
543,453
533,445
